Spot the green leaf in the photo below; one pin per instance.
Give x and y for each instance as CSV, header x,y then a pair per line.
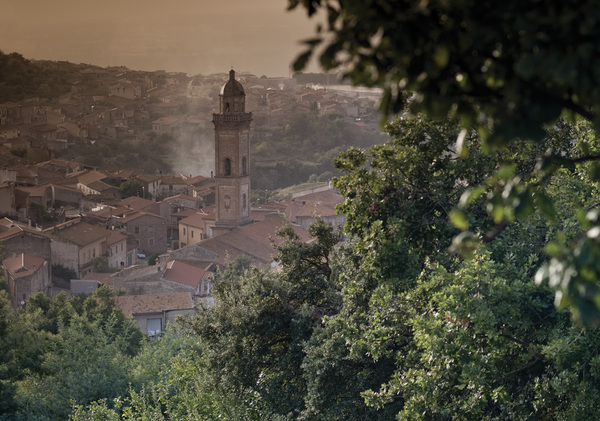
x,y
471,195
459,219
507,171
302,60
525,205
552,249
545,205
594,172
441,56
462,149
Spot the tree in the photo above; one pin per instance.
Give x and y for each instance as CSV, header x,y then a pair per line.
x,y
100,265
254,335
507,68
131,188
81,365
63,272
508,71
58,349
405,295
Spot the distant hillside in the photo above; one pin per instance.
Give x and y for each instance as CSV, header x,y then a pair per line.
x,y
320,78
22,79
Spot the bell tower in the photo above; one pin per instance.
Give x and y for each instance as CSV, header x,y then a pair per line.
x,y
232,157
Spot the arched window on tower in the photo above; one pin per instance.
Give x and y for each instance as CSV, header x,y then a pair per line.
x,y
244,166
227,107
227,166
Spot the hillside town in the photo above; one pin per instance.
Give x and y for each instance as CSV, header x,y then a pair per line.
x,y
60,215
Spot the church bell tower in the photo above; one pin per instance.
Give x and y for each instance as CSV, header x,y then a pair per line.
x,y
232,157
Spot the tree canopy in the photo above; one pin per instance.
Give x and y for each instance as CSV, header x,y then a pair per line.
x,y
508,71
385,321
508,68
381,321
21,79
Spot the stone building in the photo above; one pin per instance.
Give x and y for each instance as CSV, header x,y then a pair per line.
x,y
26,276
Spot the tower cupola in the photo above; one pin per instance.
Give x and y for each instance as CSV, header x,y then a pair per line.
x,y
232,98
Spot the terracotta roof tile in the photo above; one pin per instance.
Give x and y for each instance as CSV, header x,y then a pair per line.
x,y
136,203
154,303
185,213
253,240
103,278
327,196
321,209
182,273
18,230
115,237
137,214
23,265
80,233
195,220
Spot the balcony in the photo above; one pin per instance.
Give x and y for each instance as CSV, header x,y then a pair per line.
x,y
241,117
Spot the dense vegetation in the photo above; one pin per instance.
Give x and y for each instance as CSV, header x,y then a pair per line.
x,y
305,150
150,154
22,79
508,71
392,323
388,323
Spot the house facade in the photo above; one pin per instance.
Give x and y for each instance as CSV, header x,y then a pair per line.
x,y
20,238
152,312
75,244
168,125
148,230
192,229
7,199
119,256
26,276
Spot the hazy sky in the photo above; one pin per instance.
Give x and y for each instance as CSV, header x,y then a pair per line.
x,y
192,36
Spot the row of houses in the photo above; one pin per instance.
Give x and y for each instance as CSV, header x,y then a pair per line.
x,y
178,229
63,216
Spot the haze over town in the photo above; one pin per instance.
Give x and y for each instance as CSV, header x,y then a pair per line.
x,y
192,36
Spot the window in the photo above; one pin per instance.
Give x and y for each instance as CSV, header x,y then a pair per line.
x,y
184,231
150,230
244,164
153,327
227,166
136,230
192,233
150,241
